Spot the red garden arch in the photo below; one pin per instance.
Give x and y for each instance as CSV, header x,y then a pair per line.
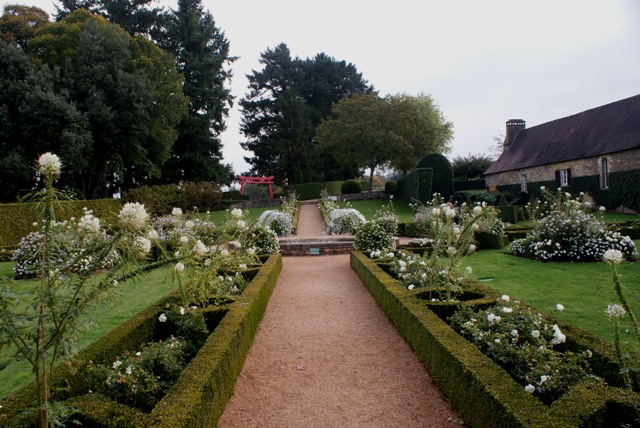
x,y
243,179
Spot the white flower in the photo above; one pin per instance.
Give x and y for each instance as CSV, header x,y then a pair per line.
x,y
251,251
497,340
236,213
241,224
49,163
182,310
184,239
468,270
505,298
602,209
129,369
544,378
615,311
493,318
133,215
558,337
472,248
507,310
139,354
116,364
242,266
613,257
542,187
199,249
450,212
514,333
176,212
411,286
143,245
194,307
477,209
530,389
224,252
153,235
162,318
189,224
535,333
560,307
589,353
179,267
89,223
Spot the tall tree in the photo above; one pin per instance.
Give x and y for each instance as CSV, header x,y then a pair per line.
x,y
470,167
201,51
287,99
127,89
19,23
394,131
135,16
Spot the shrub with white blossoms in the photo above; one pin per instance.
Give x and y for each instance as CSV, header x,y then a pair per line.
x,y
170,231
344,221
278,221
524,343
373,237
566,232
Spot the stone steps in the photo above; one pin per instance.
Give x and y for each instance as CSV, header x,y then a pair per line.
x,y
320,246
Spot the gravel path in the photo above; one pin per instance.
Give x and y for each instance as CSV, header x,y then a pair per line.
x,y
326,356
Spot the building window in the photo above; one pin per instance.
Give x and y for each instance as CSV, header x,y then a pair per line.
x,y
604,173
563,177
523,183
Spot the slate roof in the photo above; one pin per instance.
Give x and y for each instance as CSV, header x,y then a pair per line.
x,y
606,129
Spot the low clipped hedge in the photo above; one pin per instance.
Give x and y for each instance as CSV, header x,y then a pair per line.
x,y
16,220
308,191
482,392
199,396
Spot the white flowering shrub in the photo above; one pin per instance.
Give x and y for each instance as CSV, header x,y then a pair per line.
x,y
263,241
289,204
344,221
278,221
566,232
71,248
373,236
524,343
170,231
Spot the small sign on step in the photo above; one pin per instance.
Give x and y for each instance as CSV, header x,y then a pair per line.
x,y
314,251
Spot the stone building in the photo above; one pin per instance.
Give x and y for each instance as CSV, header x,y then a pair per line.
x,y
596,152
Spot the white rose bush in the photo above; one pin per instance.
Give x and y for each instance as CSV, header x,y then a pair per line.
x,y
79,264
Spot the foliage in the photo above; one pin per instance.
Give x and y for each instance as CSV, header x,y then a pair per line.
x,y
566,232
287,99
442,181
263,241
470,167
339,221
48,329
416,186
127,93
161,199
351,186
19,23
450,229
201,53
391,186
522,341
372,236
289,204
391,131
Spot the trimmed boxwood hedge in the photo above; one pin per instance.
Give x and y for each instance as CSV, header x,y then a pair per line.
x,y
202,391
16,220
308,191
482,392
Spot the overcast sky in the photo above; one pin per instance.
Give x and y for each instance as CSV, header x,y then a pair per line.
x,y
483,62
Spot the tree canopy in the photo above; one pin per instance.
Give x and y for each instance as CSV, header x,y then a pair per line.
x,y
105,102
287,100
471,167
19,23
394,131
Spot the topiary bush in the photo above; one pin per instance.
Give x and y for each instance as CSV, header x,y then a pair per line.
x,y
442,174
351,186
391,186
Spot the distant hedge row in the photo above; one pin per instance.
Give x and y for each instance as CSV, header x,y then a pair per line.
x,y
189,196
16,220
308,191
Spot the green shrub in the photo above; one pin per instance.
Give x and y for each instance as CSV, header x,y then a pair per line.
x,y
391,186
442,182
160,200
416,186
351,186
372,236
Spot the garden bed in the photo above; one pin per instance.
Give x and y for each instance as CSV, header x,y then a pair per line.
x,y
484,394
202,390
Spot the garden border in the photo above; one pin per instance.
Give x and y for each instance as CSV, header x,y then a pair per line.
x,y
200,394
482,392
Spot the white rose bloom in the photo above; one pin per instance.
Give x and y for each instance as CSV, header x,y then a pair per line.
x,y
558,337
530,389
162,318
560,307
505,298
535,333
116,364
176,212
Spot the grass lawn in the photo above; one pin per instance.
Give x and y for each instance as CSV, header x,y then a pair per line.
x,y
133,297
583,288
219,218
369,209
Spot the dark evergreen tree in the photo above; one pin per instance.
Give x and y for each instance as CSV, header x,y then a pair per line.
x,y
287,100
201,51
135,16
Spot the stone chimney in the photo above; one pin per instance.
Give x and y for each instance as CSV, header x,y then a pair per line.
x,y
514,126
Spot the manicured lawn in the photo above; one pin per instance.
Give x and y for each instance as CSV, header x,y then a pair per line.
x,y
583,288
219,218
369,209
133,297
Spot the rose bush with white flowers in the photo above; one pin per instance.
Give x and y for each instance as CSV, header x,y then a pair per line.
x,y
566,232
523,342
